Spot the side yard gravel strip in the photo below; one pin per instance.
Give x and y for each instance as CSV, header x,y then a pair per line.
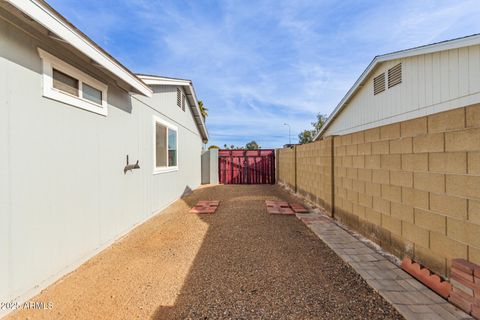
x,y
239,263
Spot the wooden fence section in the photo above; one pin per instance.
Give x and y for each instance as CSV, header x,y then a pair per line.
x,y
413,186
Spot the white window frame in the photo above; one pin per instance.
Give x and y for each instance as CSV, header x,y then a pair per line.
x,y
169,126
51,62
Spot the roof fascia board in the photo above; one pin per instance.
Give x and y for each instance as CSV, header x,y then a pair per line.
x,y
356,86
46,18
191,95
436,47
163,81
198,114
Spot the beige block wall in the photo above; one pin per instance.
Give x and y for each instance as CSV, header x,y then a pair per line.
x,y
413,187
308,170
286,166
314,172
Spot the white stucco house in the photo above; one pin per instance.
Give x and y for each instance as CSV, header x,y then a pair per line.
x,y
70,117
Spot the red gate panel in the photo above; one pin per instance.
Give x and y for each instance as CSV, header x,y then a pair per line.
x,y
246,166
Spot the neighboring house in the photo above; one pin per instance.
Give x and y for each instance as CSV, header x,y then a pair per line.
x,y
409,84
70,115
405,154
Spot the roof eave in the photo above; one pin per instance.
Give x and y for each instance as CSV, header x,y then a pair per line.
x,y
431,48
54,22
191,95
356,86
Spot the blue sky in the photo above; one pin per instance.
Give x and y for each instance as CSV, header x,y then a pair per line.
x,y
259,64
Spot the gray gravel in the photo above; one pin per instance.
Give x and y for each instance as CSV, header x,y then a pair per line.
x,y
239,263
257,266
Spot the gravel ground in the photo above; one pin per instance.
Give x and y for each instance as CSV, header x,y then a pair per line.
x,y
239,263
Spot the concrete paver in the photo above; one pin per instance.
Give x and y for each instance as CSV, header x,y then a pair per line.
x,y
410,297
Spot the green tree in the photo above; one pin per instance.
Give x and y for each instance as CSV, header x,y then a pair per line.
x,y
252,145
318,124
307,136
203,109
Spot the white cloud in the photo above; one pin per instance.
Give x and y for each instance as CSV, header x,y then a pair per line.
x,y
259,64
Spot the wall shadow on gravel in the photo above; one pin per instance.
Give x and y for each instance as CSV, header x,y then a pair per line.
x,y
252,265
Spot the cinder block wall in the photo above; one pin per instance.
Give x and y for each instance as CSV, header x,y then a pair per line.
x,y
314,172
286,166
413,187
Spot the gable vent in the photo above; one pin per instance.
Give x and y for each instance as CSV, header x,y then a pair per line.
x,y
379,84
183,102
179,98
395,75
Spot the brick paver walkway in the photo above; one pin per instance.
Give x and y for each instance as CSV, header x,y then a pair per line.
x,y
410,297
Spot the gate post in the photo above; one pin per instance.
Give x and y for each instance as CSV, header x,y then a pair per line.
x,y
214,178
210,167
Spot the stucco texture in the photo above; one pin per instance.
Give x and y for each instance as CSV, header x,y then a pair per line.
x,y
63,192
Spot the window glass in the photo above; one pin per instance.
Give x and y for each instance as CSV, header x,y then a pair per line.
x,y
160,145
65,83
91,94
172,148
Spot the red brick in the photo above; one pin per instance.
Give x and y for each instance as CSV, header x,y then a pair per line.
x,y
463,265
476,311
459,302
429,279
205,206
200,209
477,271
465,286
463,295
278,207
298,208
279,210
443,288
409,266
463,275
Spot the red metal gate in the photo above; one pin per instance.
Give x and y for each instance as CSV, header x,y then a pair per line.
x,y
246,166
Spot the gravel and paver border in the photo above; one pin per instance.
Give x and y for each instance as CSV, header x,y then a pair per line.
x,y
410,297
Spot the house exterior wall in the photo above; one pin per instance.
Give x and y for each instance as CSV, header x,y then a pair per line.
x,y
412,186
431,83
63,193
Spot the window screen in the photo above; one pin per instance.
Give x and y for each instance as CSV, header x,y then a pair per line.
x,y
91,94
172,148
160,145
65,83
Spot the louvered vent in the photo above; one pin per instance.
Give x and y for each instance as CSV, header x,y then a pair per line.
x,y
395,75
179,98
183,102
379,84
